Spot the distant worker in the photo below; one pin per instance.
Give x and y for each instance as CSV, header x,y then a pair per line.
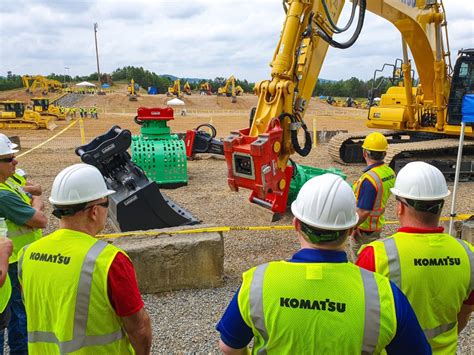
x,y
81,112
106,313
433,269
24,219
372,192
317,302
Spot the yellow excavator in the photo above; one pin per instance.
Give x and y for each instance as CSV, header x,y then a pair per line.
x,y
31,83
205,88
230,90
44,108
175,89
187,88
14,115
132,92
258,157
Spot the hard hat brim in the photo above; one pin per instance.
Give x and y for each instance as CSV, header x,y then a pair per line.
x,y
78,201
397,192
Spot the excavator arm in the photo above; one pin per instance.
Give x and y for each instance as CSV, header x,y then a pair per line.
x,y
257,157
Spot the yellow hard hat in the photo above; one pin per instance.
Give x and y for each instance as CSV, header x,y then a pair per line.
x,y
376,142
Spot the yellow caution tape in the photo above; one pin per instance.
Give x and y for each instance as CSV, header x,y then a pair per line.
x,y
234,228
48,140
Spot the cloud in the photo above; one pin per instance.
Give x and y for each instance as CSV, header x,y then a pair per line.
x,y
189,38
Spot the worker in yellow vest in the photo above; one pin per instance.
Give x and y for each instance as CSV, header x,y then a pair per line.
x,y
433,269
372,192
317,302
6,249
81,293
24,219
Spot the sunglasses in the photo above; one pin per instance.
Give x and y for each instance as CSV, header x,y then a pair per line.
x,y
103,204
7,160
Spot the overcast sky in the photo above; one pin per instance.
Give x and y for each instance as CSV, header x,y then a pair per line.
x,y
186,38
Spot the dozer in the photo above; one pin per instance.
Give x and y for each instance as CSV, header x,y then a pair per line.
x,y
175,90
230,90
187,88
13,115
258,156
43,106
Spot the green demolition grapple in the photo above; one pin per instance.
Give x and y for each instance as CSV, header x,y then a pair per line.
x,y
159,153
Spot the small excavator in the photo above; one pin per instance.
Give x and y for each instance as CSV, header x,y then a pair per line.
x,y
175,90
187,88
205,89
14,115
230,90
132,91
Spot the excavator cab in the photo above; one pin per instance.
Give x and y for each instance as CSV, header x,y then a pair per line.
x,y
461,84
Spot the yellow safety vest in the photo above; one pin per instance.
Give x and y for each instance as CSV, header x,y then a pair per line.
x,y
5,294
329,308
436,273
20,235
64,280
382,177
17,179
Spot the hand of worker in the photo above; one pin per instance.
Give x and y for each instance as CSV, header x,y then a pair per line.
x,y
37,203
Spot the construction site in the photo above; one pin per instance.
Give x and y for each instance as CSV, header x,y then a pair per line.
x,y
202,207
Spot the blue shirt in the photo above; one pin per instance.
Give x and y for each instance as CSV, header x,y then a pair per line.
x,y
409,338
367,192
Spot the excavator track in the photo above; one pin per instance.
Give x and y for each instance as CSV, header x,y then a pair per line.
x,y
439,152
345,148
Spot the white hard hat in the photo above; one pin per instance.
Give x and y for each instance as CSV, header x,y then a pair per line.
x,y
77,184
9,142
6,148
420,181
326,202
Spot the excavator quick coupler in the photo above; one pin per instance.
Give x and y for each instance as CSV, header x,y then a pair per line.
x,y
137,203
200,141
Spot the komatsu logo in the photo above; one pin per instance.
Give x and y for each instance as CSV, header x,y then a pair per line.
x,y
155,113
411,3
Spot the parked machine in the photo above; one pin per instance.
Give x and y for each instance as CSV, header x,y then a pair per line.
x,y
187,88
230,90
137,203
132,89
205,88
175,90
14,115
31,83
43,106
159,153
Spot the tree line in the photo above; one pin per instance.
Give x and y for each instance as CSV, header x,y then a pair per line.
x,y
352,87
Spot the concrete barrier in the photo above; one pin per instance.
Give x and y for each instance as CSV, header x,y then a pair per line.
x,y
174,262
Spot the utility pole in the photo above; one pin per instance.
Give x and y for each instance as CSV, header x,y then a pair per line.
x,y
96,26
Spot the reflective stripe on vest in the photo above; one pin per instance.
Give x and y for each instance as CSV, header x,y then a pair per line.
x,y
81,312
396,276
376,176
372,309
471,263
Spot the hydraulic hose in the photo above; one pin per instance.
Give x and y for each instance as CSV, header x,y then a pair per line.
x,y
326,37
334,27
295,124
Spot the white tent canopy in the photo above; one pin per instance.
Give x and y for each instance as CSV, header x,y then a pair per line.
x,y
85,83
175,102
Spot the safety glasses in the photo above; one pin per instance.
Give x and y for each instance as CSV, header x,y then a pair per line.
x,y
7,160
103,204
